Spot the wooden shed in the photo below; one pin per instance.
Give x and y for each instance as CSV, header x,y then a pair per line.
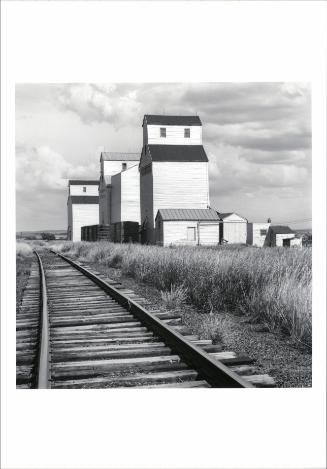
x,y
82,206
173,168
187,227
233,228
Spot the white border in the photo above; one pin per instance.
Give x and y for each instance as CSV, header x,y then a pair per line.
x,y
175,41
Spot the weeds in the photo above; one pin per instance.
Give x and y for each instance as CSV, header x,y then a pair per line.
x,y
175,297
270,285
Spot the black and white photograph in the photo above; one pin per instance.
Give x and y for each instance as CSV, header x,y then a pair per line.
x,y
165,240
163,234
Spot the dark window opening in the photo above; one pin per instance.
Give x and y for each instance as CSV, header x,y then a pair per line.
x,y
187,133
84,189
162,131
263,232
124,166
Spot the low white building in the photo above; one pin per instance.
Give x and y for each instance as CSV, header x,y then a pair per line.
x,y
233,228
187,227
257,234
282,236
82,205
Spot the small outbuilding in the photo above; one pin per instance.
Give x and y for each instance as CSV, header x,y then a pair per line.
x,y
191,227
257,234
233,228
282,236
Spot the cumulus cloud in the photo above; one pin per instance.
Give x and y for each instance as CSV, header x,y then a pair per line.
x,y
100,103
41,168
257,136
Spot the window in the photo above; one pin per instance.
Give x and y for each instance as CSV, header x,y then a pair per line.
x,y
124,166
84,189
162,131
263,232
191,234
187,133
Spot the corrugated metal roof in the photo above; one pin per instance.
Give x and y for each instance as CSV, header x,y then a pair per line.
x,y
281,229
119,156
188,214
172,120
84,199
82,182
194,153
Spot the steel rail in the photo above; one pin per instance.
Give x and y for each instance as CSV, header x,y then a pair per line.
x,y
43,373
214,372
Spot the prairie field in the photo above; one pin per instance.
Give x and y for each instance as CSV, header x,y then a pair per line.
x,y
271,286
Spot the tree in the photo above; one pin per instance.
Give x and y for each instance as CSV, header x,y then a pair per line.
x,y
48,236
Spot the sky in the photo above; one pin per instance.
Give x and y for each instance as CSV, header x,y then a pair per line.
x,y
257,137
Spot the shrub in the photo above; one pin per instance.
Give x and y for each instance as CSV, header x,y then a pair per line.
x,y
23,250
48,236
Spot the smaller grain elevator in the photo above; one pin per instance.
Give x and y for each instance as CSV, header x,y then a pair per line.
x,y
82,205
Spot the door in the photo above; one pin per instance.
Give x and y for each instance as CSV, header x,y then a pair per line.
x,y
286,243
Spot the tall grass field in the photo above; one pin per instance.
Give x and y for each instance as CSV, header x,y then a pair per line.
x,y
270,285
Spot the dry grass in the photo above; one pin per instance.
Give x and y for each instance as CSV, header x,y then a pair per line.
x,y
24,257
270,285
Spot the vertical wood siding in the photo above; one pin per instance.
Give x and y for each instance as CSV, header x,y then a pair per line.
x,y
83,215
174,135
235,232
78,189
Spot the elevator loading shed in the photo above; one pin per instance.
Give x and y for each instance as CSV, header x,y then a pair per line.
x,y
187,227
233,228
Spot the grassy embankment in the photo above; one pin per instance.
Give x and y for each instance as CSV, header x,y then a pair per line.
x,y
24,258
269,285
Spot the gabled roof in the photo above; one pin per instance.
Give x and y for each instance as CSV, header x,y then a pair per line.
x,y
281,229
177,153
83,182
84,199
227,214
187,214
152,119
119,156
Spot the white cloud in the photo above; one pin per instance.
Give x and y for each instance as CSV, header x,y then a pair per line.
x,y
100,102
42,169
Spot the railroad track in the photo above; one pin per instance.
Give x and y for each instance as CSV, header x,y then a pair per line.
x,y
76,330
